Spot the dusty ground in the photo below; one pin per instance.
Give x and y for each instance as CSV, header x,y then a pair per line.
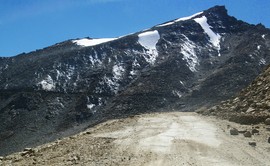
x,y
175,138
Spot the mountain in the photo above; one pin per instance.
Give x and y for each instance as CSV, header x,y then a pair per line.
x,y
182,65
249,106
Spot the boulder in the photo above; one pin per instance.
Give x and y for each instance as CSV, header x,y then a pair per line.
x,y
28,152
247,134
234,131
254,131
267,121
252,143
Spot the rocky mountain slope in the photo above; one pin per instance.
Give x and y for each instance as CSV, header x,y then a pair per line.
x,y
182,64
250,106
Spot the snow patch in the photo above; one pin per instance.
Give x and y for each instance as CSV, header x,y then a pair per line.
x,y
94,59
263,36
258,47
262,61
90,106
92,42
180,19
149,40
189,54
214,38
177,93
118,71
188,17
47,84
181,82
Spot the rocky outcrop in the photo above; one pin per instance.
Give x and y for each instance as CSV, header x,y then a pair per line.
x,y
250,106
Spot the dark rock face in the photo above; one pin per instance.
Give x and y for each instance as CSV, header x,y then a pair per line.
x,y
172,66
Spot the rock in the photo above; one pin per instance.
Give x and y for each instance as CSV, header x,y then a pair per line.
x,y
242,131
252,143
247,134
233,131
28,149
267,121
268,139
250,109
254,131
1,158
28,152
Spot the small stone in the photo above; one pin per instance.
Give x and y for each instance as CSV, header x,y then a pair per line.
x,y
27,149
253,131
28,152
233,131
250,109
242,131
252,143
247,134
268,139
267,121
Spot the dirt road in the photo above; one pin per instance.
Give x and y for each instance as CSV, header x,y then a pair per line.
x,y
154,139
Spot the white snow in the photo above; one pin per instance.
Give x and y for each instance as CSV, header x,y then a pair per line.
x,y
189,17
214,38
177,93
47,84
169,23
118,71
70,71
262,61
92,42
180,19
90,106
135,65
263,36
181,82
258,47
94,59
189,54
149,40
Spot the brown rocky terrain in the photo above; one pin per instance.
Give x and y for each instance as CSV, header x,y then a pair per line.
x,y
250,106
176,138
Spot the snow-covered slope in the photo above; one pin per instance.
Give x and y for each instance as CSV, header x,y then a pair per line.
x,y
92,42
149,40
180,19
214,37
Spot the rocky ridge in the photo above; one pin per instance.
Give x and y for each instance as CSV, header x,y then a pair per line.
x,y
250,106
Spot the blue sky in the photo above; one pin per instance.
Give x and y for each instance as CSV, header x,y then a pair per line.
x,y
27,25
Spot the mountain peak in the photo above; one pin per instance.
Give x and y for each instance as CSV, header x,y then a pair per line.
x,y
217,9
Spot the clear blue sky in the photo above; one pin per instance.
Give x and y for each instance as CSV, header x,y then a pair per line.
x,y
27,25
